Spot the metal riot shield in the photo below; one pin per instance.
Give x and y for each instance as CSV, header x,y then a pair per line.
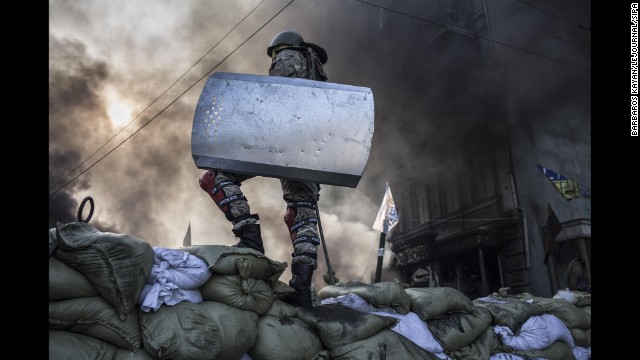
x,y
283,127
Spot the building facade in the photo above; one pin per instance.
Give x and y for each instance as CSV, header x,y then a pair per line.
x,y
473,213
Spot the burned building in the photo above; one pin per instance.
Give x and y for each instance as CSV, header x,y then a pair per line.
x,y
503,88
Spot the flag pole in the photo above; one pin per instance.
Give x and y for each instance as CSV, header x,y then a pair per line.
x,y
383,237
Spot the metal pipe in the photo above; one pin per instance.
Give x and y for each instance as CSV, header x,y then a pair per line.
x,y
500,269
526,235
332,280
483,273
380,258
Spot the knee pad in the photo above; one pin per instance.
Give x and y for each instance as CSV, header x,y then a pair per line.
x,y
296,220
215,189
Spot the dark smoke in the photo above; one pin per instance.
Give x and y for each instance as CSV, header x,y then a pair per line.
x,y
76,120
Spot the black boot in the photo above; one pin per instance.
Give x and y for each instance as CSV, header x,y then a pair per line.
x,y
301,283
250,237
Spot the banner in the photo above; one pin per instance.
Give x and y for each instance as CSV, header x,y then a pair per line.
x,y
387,215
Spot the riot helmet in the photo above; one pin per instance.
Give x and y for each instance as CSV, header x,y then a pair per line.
x,y
292,38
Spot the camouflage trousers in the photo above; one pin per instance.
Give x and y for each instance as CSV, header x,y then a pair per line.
x,y
301,215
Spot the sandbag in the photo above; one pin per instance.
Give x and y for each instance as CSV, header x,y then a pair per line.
x,y
480,348
509,311
581,337
409,326
323,354
208,330
586,308
557,351
65,345
94,317
456,330
67,283
226,260
379,294
280,308
356,303
117,265
431,302
53,241
571,315
122,354
338,325
284,337
537,333
242,293
385,345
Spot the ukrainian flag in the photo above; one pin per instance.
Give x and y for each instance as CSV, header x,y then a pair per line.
x,y
569,189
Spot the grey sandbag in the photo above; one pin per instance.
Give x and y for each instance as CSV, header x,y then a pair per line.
x,y
570,315
385,345
225,260
323,354
480,348
241,293
513,313
67,283
559,350
94,317
65,345
586,309
280,308
53,241
381,294
431,302
339,325
207,330
280,337
117,265
122,354
456,330
581,337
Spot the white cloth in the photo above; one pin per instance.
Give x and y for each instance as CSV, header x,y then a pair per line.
x,y
582,353
409,326
157,294
566,295
537,333
178,267
505,356
356,303
175,276
490,299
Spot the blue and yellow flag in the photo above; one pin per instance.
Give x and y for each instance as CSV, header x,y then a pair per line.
x,y
569,189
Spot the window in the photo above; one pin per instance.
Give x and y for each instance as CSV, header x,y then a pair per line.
x,y
434,203
483,183
465,190
419,204
423,208
450,193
